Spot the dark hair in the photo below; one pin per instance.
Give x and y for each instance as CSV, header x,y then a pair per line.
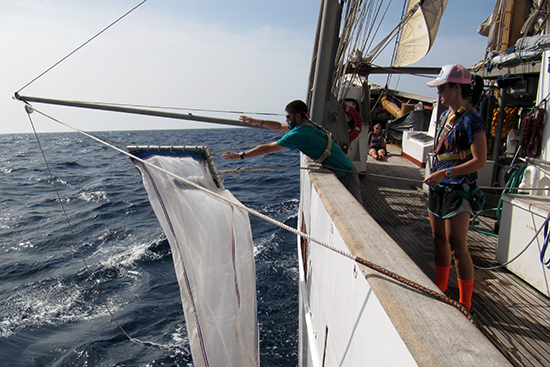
x,y
471,92
297,106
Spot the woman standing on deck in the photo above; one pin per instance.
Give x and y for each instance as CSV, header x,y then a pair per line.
x,y
461,150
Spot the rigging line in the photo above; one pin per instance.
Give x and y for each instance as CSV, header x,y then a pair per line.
x,y
273,168
384,43
249,145
379,24
481,187
185,108
389,69
104,138
437,295
90,275
396,45
521,252
79,47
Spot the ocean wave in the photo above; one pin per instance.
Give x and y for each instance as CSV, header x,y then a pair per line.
x,y
46,297
48,302
93,196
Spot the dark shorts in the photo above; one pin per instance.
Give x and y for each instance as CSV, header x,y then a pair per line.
x,y
377,147
443,203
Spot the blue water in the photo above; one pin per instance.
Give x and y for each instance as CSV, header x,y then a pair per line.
x,y
50,313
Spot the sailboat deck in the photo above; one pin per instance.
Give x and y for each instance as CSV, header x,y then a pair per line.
x,y
512,314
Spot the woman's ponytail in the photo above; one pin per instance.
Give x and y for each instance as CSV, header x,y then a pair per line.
x,y
472,92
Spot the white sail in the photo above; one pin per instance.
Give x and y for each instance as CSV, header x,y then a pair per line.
x,y
213,256
418,34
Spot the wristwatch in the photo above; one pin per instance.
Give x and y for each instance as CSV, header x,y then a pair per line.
x,y
448,172
241,154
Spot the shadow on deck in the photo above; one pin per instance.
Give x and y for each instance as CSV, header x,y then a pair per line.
x,y
512,314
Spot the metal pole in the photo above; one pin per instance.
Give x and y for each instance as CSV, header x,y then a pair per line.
x,y
131,110
324,63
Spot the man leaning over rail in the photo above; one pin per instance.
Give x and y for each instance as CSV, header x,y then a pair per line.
x,y
311,139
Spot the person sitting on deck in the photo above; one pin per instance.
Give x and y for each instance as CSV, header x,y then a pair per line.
x,y
311,139
461,150
377,143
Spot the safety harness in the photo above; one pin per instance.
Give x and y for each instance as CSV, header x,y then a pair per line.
x,y
327,151
474,195
448,126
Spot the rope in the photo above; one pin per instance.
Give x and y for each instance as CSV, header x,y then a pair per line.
x,y
79,47
238,170
157,107
200,109
545,246
90,275
531,141
511,185
357,259
249,145
514,179
521,252
481,187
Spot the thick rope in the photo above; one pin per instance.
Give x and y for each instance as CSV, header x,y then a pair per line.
x,y
357,259
531,141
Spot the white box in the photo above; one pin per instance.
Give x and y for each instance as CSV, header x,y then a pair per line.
x,y
522,217
416,146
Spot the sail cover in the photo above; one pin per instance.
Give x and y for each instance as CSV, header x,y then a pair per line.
x,y
418,34
213,255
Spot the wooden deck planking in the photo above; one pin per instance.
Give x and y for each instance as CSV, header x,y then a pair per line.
x,y
515,317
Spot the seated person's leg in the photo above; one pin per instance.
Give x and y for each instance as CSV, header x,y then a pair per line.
x,y
373,153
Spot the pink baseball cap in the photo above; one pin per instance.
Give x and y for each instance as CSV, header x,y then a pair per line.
x,y
452,74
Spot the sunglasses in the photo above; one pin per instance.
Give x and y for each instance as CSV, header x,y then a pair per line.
x,y
441,88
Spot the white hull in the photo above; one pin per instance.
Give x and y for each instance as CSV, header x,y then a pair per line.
x,y
351,315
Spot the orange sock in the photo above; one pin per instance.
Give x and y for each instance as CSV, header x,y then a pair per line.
x,y
466,288
442,277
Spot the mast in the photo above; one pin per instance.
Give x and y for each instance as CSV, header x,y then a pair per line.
x,y
323,105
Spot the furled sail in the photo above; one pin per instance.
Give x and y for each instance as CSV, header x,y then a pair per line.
x,y
418,34
213,254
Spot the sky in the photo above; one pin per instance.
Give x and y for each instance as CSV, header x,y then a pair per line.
x,y
226,55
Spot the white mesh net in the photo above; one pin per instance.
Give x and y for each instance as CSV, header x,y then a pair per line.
x,y
213,255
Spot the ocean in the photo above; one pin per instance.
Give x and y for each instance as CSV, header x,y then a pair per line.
x,y
51,314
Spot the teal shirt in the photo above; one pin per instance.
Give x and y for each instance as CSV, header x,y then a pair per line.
x,y
312,141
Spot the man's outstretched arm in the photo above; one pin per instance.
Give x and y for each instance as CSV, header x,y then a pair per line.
x,y
255,152
268,124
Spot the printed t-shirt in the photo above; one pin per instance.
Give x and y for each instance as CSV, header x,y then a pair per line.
x,y
460,139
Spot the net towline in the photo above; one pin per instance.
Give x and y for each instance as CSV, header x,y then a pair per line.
x,y
357,259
